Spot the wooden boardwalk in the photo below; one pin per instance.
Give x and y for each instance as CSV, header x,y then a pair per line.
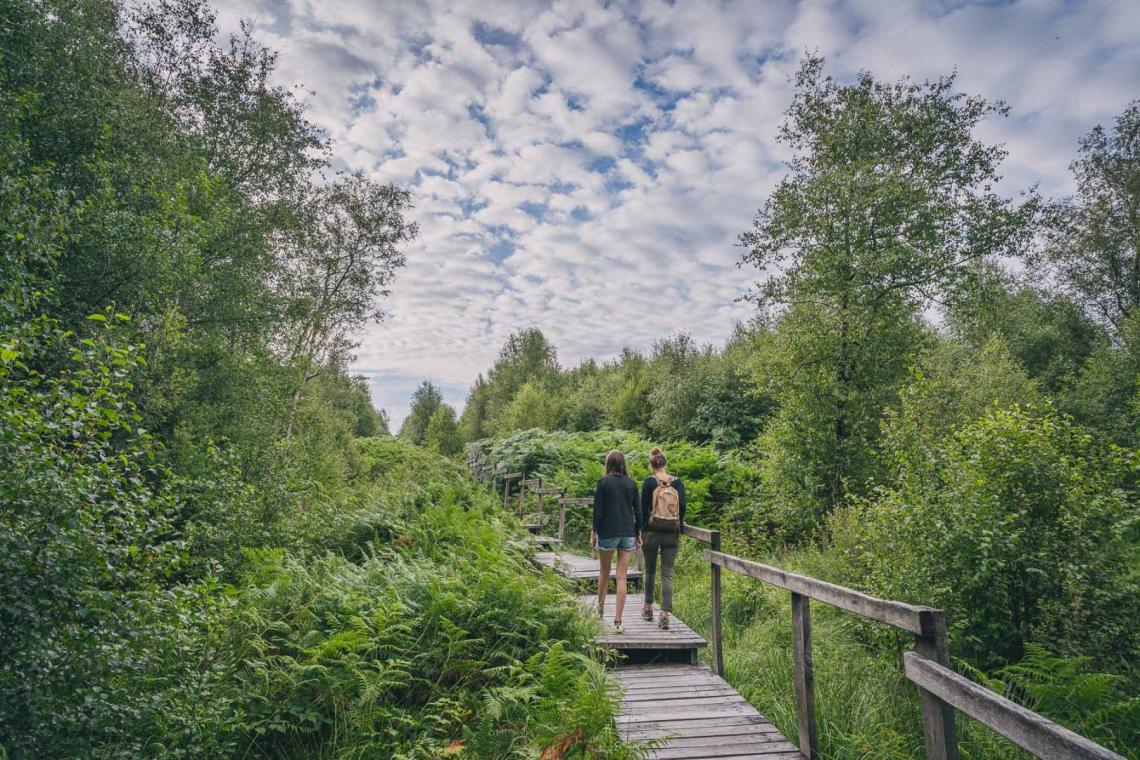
x,y
642,635
579,568
697,715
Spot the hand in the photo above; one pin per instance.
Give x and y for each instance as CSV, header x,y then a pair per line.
x,y
639,540
593,540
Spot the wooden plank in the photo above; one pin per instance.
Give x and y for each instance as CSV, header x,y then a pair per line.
x,y
512,476
672,693
550,491
576,566
761,751
804,679
717,631
530,482
643,634
899,614
939,731
701,534
587,500
1025,728
694,713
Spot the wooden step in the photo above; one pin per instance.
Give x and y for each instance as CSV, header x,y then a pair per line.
x,y
641,634
706,718
579,568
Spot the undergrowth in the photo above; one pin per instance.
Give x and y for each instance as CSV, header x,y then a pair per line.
x,y
437,640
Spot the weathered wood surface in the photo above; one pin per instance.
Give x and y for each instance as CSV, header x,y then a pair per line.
x,y
694,714
640,633
909,617
577,567
548,541
701,534
1025,728
804,675
584,500
550,491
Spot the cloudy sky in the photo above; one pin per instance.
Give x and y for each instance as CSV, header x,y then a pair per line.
x,y
572,162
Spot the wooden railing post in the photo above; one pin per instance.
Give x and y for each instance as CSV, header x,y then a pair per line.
x,y
717,634
561,522
937,716
805,687
506,494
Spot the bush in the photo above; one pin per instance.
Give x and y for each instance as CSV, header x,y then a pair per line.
x,y
1022,528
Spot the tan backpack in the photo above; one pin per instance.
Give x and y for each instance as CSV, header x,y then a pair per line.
x,y
666,511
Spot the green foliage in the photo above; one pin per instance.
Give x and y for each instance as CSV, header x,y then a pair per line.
x,y
529,408
440,636
442,434
1021,527
888,198
426,400
574,461
1092,246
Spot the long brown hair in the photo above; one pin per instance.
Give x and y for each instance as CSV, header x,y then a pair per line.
x,y
615,463
656,459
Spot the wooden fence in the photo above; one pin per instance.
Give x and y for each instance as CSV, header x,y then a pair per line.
x,y
928,666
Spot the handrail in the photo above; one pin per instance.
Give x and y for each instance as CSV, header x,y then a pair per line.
x,y
1025,728
909,617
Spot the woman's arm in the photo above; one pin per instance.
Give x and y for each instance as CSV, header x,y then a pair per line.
x,y
598,491
681,498
646,499
636,509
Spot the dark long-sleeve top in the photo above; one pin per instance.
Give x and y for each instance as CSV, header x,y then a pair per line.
x,y
615,507
648,486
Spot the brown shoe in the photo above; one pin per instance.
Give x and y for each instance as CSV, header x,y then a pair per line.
x,y
663,621
647,612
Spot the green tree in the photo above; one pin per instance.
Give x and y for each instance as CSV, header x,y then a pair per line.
x,y
1048,332
887,202
442,433
1094,245
426,400
474,424
532,407
526,357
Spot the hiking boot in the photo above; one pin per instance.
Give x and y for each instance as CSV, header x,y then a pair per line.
x,y
647,612
663,621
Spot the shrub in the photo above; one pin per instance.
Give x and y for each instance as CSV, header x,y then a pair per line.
x,y
1022,528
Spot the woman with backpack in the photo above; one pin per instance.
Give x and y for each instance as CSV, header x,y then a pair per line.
x,y
617,526
662,515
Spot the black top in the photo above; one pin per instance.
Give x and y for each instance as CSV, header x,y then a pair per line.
x,y
647,489
615,507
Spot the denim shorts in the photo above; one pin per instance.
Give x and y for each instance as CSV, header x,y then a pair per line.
x,y
625,543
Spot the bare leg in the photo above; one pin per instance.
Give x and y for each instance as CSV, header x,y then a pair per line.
x,y
622,567
604,559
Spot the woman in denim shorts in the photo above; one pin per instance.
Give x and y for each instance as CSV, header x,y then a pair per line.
x,y
617,527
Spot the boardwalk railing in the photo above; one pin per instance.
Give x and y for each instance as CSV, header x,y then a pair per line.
x,y
928,666
943,691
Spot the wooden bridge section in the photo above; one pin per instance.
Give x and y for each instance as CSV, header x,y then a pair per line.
x,y
689,711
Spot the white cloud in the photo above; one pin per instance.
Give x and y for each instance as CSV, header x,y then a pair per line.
x,y
566,155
